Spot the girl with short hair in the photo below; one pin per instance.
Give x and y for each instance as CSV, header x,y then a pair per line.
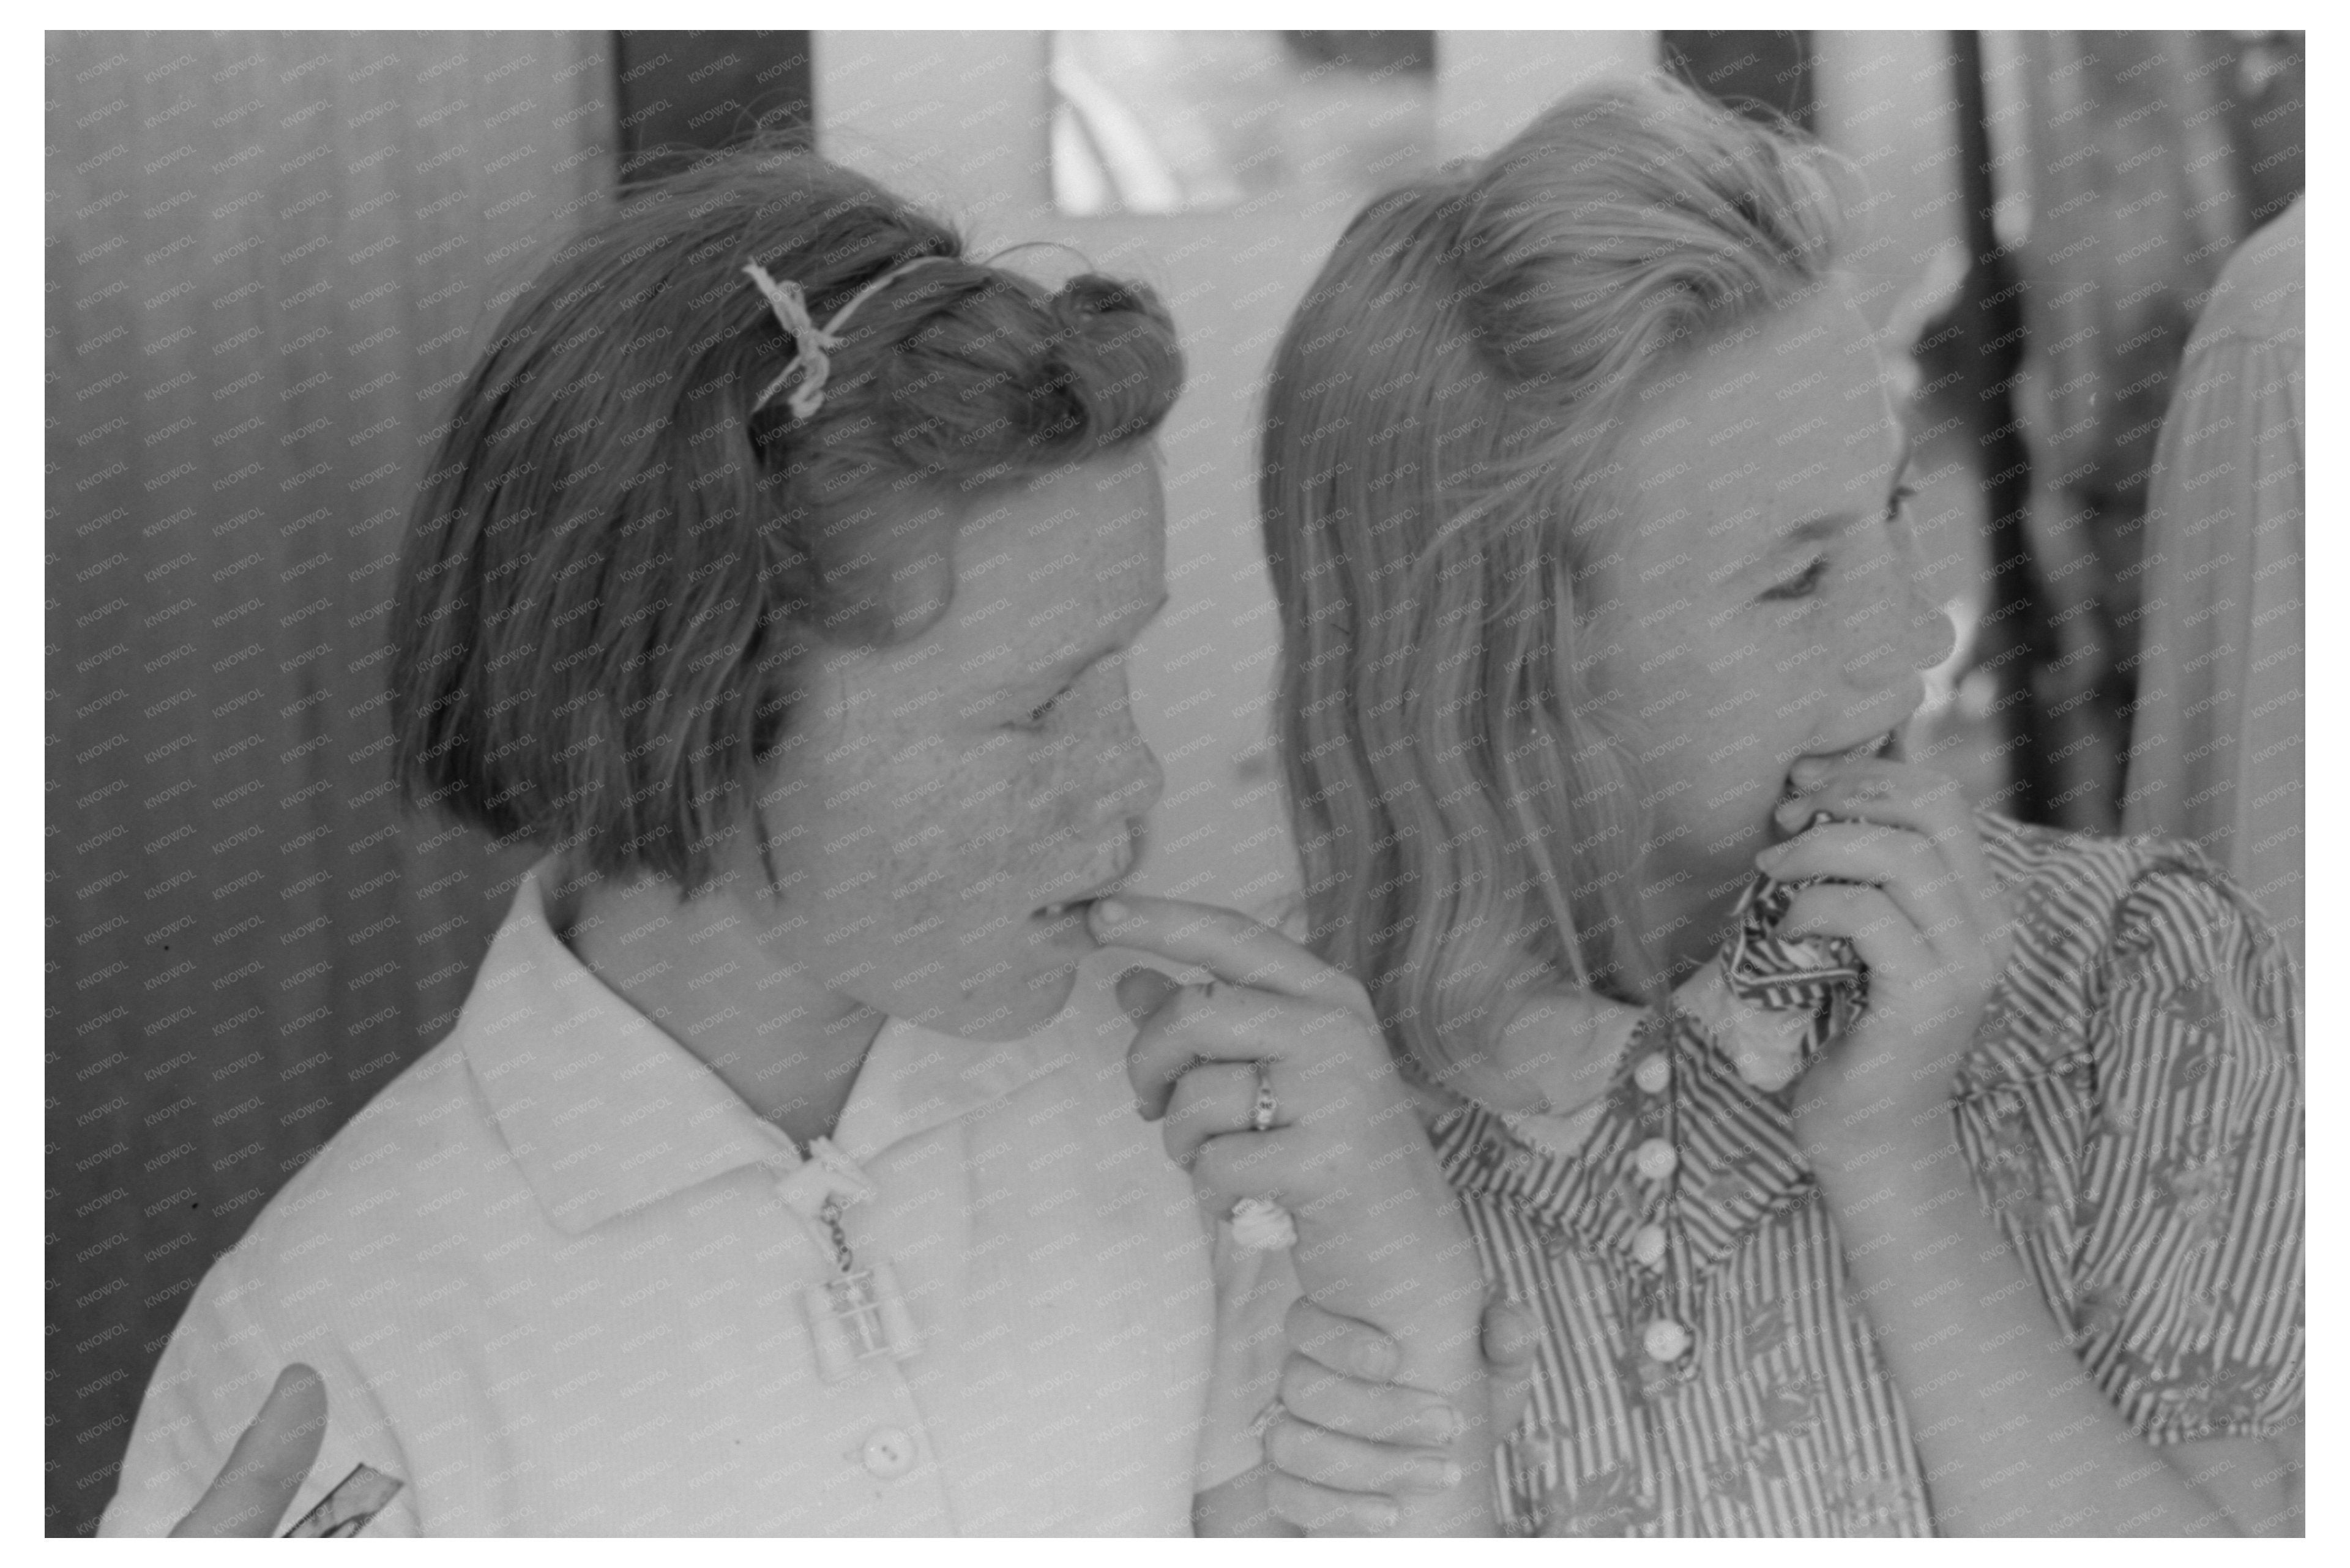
x,y
781,1174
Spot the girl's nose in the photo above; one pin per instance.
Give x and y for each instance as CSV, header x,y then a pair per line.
x,y
1932,638
1908,635
1139,780
1150,780
1901,631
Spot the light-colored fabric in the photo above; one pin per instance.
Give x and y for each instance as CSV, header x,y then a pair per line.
x,y
552,1285
2217,752
2131,1114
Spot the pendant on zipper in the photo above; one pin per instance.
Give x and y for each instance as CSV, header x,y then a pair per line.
x,y
858,1315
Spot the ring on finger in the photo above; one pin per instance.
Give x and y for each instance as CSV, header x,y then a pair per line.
x,y
1268,1107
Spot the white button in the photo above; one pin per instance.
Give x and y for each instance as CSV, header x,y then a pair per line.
x,y
1653,1073
1649,1245
1655,1159
888,1453
1665,1340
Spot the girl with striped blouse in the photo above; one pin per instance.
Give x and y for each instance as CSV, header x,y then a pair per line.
x,y
1872,1164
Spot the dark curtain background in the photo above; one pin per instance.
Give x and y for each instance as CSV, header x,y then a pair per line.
x,y
1746,70
269,258
680,93
2151,156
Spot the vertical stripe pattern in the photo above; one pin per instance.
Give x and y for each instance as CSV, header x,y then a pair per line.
x,y
2130,1114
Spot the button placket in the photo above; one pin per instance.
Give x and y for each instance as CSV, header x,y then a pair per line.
x,y
1659,1325
876,1428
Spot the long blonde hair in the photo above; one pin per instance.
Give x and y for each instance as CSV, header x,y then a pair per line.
x,y
1437,452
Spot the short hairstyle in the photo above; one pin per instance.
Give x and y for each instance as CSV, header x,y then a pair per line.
x,y
616,570
1433,486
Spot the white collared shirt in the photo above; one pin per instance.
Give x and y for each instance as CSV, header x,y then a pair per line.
x,y
553,1286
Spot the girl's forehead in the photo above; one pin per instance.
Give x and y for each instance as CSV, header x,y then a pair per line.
x,y
1782,421
1046,573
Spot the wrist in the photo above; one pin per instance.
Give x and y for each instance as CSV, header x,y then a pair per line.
x,y
1891,1124
1891,1187
1410,1237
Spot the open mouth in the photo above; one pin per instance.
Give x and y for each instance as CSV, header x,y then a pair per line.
x,y
1075,906
1119,860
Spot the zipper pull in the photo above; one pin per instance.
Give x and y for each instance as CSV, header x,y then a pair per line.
x,y
825,1176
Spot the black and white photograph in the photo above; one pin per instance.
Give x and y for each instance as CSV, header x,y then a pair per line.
x,y
1106,781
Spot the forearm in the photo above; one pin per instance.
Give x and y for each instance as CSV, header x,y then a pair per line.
x,y
1408,1267
1237,1507
2015,1439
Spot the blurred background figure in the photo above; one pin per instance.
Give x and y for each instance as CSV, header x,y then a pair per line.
x,y
1174,122
2127,166
2216,749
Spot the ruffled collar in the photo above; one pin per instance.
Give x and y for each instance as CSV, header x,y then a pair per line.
x,y
1738,1033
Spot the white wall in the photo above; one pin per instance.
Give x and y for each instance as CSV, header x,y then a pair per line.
x,y
1885,102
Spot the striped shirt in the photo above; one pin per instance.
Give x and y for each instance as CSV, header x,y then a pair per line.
x,y
2130,1112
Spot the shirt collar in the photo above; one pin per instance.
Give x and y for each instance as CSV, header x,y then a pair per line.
x,y
1737,1158
605,1113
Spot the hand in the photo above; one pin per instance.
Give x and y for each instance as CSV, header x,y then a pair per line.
x,y
1908,884
1345,1444
269,1463
1378,1235
1273,1013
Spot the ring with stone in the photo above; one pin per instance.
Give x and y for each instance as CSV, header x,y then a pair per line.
x,y
1260,1119
1261,1225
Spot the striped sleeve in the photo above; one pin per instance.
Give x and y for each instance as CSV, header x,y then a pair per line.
x,y
2188,1269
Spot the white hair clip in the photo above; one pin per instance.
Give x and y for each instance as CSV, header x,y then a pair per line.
x,y
811,359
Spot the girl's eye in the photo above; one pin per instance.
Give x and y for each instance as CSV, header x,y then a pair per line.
x,y
1802,584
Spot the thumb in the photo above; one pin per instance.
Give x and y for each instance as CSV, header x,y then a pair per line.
x,y
1140,989
1511,1337
269,1463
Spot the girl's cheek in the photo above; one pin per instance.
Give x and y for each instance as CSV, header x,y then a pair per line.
x,y
1059,794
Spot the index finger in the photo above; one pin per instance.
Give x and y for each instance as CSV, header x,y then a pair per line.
x,y
269,1463
1227,944
1905,795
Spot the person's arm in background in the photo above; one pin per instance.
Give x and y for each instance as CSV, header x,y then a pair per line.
x,y
267,1466
200,1462
2217,740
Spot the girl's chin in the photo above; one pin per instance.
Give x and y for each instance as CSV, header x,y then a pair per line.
x,y
1004,1010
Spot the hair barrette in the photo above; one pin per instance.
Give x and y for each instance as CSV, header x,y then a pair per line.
x,y
812,345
